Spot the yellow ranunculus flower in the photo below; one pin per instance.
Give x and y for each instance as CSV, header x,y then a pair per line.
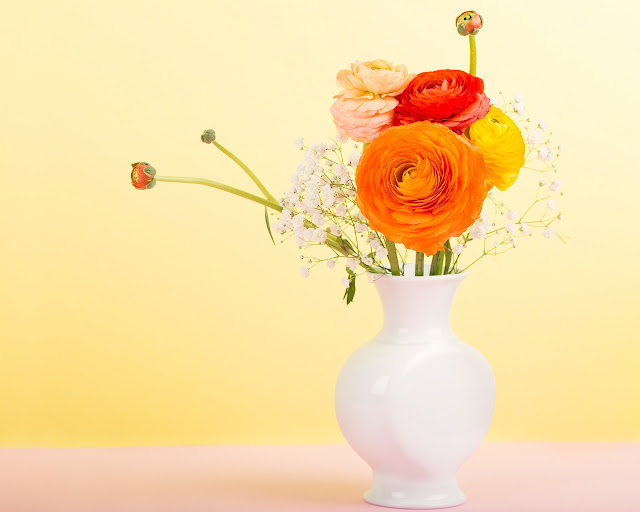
x,y
502,146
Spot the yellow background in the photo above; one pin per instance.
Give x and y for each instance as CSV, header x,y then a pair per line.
x,y
167,317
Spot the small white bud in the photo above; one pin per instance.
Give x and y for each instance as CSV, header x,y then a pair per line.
x,y
352,264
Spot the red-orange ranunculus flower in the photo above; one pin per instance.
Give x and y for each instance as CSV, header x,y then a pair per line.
x,y
421,184
451,97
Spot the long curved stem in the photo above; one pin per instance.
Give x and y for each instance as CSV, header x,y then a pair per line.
x,y
336,243
221,186
246,169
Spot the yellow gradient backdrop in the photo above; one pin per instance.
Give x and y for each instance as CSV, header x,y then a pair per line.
x,y
168,317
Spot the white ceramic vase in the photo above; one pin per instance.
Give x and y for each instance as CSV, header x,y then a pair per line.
x,y
415,402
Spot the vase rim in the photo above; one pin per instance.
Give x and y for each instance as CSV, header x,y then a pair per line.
x,y
447,277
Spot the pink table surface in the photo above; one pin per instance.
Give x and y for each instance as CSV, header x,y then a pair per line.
x,y
513,477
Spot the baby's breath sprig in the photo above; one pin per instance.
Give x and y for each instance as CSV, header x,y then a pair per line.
x,y
501,226
321,203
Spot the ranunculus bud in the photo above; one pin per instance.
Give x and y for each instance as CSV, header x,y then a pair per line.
x,y
469,23
142,176
208,136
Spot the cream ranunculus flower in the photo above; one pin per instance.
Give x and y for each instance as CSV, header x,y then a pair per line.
x,y
364,107
502,147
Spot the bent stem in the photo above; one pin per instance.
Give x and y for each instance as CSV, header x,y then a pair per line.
x,y
246,169
273,204
338,244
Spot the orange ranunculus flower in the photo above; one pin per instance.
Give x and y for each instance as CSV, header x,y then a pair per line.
x,y
502,146
421,184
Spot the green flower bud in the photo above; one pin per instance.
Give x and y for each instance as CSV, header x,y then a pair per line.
x,y
208,136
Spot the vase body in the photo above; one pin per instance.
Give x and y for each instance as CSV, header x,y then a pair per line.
x,y
415,402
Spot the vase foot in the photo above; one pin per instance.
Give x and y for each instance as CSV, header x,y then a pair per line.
x,y
396,492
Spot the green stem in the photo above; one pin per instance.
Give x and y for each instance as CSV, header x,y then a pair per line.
x,y
246,169
340,245
475,261
472,55
391,247
221,186
393,257
437,262
448,256
419,263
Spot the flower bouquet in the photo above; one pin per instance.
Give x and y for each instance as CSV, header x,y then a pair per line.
x,y
408,194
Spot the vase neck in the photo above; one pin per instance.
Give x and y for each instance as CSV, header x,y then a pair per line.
x,y
417,309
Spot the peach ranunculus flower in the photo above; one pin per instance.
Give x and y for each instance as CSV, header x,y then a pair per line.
x,y
420,184
364,107
502,146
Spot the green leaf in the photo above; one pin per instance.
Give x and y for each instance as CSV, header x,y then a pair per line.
x,y
350,292
266,219
346,245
